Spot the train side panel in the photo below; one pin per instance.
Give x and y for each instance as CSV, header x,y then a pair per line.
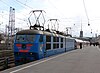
x,y
70,44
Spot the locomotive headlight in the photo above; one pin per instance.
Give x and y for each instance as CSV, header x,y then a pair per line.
x,y
31,53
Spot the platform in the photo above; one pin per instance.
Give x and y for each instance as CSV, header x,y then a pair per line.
x,y
86,60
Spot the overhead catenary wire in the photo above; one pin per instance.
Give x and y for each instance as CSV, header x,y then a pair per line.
x,y
20,4
56,8
23,20
10,6
25,1
87,16
86,11
24,4
7,5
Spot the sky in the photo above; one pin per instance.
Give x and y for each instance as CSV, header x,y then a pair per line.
x,y
70,13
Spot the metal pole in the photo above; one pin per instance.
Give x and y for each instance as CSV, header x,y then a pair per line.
x,y
81,24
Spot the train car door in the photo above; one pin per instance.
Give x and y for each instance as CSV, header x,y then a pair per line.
x,y
42,46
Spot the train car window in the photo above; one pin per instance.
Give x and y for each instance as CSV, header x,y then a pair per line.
x,y
61,45
57,45
41,38
57,39
54,46
48,38
54,39
48,46
61,39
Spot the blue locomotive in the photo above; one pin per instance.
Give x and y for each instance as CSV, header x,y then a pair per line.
x,y
34,43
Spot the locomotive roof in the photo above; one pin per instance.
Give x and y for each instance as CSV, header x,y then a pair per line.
x,y
28,31
31,31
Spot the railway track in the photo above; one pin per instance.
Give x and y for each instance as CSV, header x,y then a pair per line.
x,y
6,59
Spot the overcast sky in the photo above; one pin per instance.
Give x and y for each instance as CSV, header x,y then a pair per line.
x,y
71,13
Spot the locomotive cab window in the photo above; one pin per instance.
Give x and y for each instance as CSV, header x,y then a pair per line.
x,y
30,38
25,38
20,38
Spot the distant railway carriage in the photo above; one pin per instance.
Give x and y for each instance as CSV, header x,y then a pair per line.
x,y
30,45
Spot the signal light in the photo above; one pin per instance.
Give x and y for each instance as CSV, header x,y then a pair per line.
x,y
28,45
18,45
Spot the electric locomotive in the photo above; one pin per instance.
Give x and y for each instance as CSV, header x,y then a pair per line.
x,y
36,43
33,45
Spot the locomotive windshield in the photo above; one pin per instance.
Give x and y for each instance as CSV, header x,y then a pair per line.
x,y
25,38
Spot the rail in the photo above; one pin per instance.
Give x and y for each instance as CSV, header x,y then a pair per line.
x,y
6,59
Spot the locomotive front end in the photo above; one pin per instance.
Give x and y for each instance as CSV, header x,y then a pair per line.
x,y
25,48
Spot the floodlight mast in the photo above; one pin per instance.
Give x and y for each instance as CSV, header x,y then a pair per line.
x,y
37,22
